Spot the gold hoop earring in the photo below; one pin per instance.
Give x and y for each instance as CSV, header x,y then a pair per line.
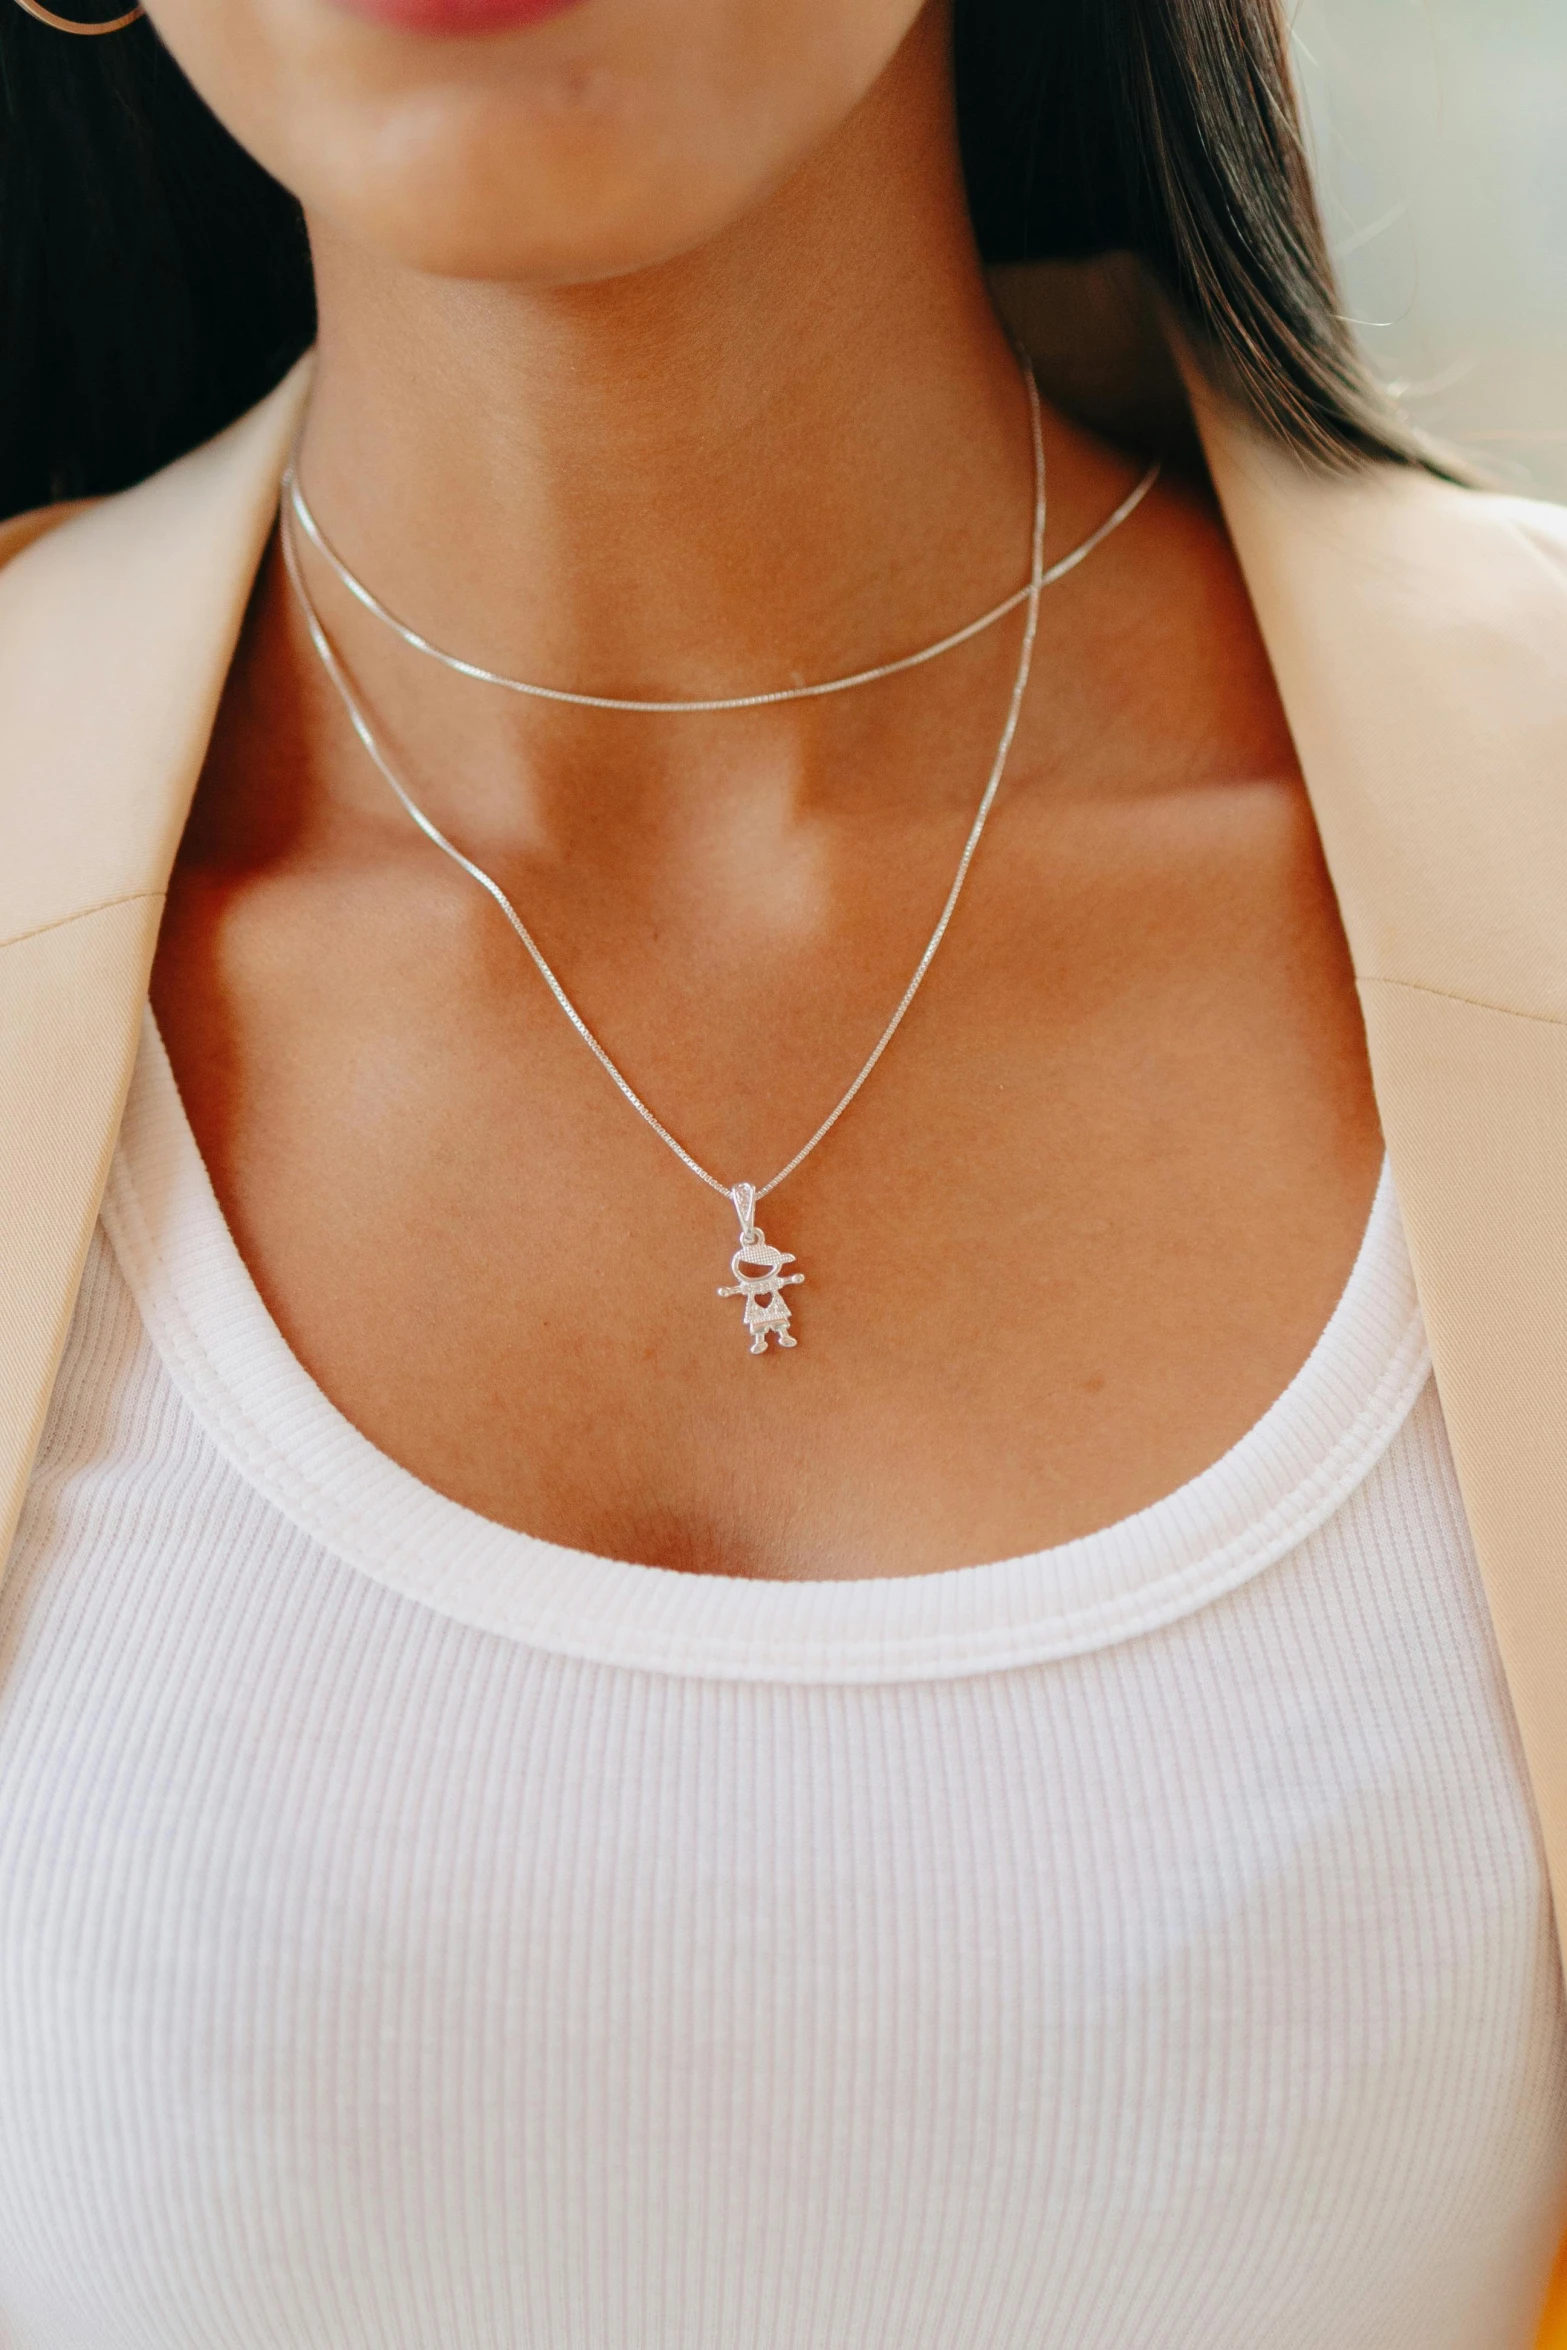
x,y
65,24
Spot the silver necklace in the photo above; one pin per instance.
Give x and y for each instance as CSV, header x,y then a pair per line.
x,y
411,637
756,1268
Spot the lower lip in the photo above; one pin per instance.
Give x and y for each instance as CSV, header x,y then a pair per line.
x,y
457,16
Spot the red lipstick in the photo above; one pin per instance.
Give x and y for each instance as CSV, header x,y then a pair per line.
x,y
456,16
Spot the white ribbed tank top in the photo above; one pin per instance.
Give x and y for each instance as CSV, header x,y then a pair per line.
x,y
418,1937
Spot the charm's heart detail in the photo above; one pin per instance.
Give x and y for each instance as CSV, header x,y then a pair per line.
x,y
759,1277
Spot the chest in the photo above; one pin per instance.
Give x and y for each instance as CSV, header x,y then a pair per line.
x,y
1081,1227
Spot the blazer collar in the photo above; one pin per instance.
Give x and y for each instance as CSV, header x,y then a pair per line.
x,y
117,629
1418,635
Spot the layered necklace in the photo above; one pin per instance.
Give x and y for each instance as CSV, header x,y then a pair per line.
x,y
756,1268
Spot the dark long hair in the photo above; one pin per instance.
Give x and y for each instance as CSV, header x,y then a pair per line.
x,y
154,281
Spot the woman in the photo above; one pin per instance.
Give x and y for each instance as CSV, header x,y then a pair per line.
x,y
998,1786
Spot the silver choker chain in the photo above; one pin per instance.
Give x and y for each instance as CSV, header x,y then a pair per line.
x,y
411,637
756,1269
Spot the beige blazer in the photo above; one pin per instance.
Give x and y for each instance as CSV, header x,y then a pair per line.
x,y
1419,637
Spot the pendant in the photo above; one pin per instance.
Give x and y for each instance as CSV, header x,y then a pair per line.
x,y
759,1276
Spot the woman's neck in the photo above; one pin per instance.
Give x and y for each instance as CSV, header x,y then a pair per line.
x,y
799,447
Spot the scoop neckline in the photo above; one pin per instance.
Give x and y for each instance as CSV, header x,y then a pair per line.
x,y
257,1403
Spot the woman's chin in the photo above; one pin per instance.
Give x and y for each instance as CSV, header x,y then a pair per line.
x,y
496,209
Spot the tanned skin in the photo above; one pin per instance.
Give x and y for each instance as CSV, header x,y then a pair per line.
x,y
660,362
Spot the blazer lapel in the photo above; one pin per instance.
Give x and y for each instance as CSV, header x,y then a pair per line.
x,y
1419,638
116,632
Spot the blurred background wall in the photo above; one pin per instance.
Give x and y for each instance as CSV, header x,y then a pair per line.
x,y
1440,130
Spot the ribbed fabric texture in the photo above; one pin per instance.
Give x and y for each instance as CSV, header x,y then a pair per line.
x,y
417,1937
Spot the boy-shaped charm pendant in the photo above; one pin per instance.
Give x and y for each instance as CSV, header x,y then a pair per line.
x,y
759,1276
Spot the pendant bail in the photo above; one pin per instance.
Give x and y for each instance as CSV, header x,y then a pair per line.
x,y
743,1196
